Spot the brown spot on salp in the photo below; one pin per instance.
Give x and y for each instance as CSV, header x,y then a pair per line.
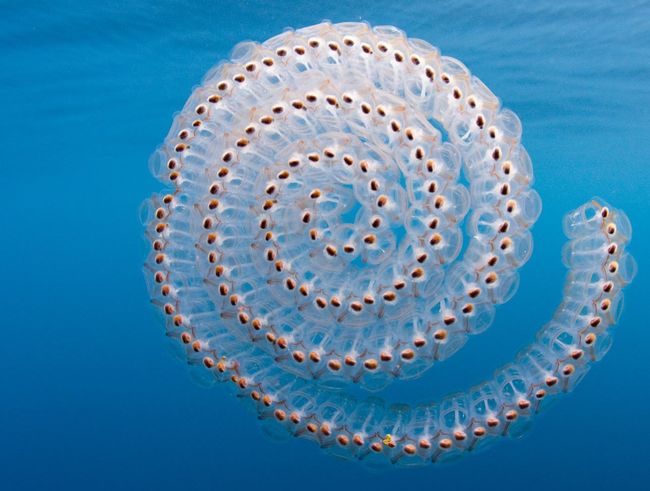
x,y
223,85
281,52
239,78
505,189
348,41
605,304
471,101
492,131
613,267
311,97
294,163
350,361
196,346
370,364
267,400
270,337
321,303
576,354
382,47
430,73
313,157
503,228
511,204
297,104
445,444
511,415
313,43
480,121
333,46
306,217
608,287
523,404
433,186
223,172
314,356
334,365
304,290
449,320
595,322
332,101
358,440
385,356
343,440
173,176
196,123
218,271
540,394
492,422
168,199
399,284
267,61
496,153
181,147
568,370
270,255
492,260
505,243
365,108
612,249
419,342
329,153
459,435
213,204
214,98
312,428
183,134
212,257
299,50
331,250
279,266
348,160
611,229
207,223
363,165
382,201
457,94
368,299
376,222
407,354
266,120
409,449
389,296
395,126
381,111
280,415
440,335
160,213
409,134
277,109
366,48
298,356
421,258
375,447
419,153
234,299
208,362
348,248
550,381
590,339
445,78
438,202
416,60
491,278
313,234
268,204
295,418
201,109
356,306
186,338
243,318
370,239
159,258
468,308
417,273
264,223
479,432
399,57
290,283
223,289
157,245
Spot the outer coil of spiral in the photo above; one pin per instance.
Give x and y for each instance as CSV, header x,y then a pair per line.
x,y
315,229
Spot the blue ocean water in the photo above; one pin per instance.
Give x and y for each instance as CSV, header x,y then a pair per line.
x,y
90,398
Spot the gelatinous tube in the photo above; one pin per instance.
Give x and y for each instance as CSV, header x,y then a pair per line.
x,y
313,239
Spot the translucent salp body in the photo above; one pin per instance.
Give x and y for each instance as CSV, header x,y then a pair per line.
x,y
313,238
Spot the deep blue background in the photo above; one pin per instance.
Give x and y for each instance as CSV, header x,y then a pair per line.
x,y
89,397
